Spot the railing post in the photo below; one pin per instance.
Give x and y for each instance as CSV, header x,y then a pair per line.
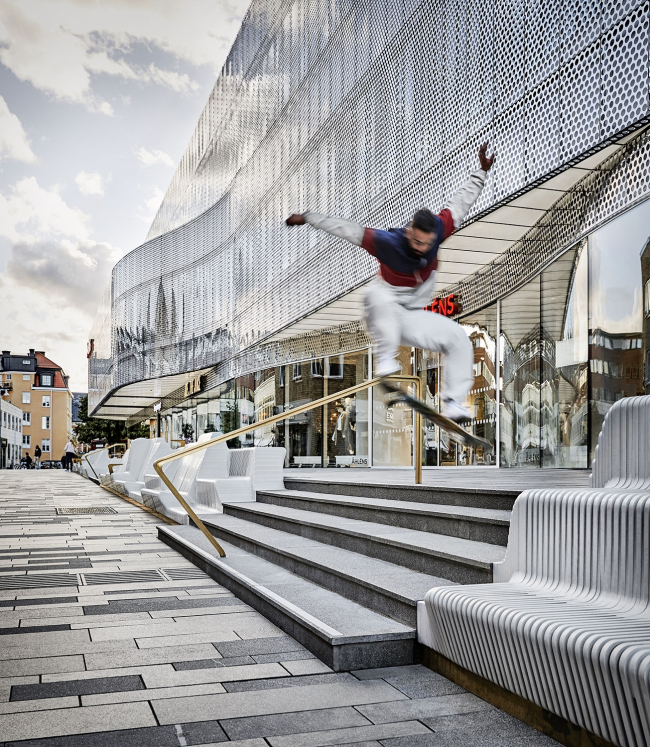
x,y
417,451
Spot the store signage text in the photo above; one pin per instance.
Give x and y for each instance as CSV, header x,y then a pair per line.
x,y
194,385
447,306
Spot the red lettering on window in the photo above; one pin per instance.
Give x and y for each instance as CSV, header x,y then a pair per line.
x,y
447,306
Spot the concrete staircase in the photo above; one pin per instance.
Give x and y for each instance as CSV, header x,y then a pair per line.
x,y
341,566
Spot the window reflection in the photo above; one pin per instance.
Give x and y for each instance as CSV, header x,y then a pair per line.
x,y
616,313
564,370
520,369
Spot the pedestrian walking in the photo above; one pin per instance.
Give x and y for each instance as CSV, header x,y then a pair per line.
x,y
395,300
37,457
70,454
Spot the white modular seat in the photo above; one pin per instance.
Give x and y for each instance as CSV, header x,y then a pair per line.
x,y
623,453
132,462
120,465
210,463
99,461
133,489
141,449
251,469
566,623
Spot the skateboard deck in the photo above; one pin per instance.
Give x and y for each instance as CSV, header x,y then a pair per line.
x,y
455,431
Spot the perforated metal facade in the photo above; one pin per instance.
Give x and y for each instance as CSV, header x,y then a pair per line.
x,y
366,109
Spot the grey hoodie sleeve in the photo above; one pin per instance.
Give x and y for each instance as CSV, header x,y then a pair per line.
x,y
461,202
344,229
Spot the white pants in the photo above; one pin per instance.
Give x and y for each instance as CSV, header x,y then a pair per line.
x,y
391,324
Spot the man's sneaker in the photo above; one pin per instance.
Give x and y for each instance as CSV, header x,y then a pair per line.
x,y
387,367
456,412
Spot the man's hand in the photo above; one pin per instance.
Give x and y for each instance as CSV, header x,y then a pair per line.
x,y
295,219
486,161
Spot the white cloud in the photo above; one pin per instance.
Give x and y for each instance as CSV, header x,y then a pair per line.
x,y
151,158
148,213
32,213
13,138
58,47
70,272
90,182
54,276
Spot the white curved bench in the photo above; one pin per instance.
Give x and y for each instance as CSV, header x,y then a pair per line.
x,y
211,463
566,623
132,464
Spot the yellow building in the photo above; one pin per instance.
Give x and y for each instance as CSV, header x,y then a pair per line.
x,y
39,387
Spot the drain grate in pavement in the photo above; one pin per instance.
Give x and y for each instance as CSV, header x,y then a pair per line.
x,y
38,581
182,574
123,577
86,510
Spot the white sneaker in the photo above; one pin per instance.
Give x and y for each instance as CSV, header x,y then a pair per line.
x,y
387,367
456,412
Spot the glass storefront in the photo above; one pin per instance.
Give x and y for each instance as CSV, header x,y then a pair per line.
x,y
616,340
549,361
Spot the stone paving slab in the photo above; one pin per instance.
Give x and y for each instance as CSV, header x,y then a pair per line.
x,y
125,652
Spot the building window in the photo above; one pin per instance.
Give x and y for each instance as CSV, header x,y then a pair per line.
x,y
27,398
45,444
46,400
27,441
8,377
26,363
296,372
46,379
646,303
26,377
45,423
27,417
281,376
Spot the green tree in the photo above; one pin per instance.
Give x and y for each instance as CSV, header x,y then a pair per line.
x,y
110,431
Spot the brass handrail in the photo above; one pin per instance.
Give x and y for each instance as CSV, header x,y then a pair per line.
x,y
97,451
157,465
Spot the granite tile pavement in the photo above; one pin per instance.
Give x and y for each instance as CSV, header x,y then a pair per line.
x,y
108,638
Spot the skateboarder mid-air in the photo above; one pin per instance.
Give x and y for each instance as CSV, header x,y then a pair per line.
x,y
395,300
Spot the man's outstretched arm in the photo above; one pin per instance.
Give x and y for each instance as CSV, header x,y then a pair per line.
x,y
461,202
344,229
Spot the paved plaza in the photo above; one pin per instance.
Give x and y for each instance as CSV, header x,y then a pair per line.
x,y
110,638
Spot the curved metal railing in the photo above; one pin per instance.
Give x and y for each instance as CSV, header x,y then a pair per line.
x,y
158,465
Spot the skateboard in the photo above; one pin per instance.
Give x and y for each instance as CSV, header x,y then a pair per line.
x,y
453,429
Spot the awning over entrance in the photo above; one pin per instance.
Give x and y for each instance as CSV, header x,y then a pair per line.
x,y
130,399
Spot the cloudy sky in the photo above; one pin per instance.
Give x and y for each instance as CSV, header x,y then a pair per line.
x,y
98,99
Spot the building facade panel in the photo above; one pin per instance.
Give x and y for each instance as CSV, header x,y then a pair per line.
x,y
370,110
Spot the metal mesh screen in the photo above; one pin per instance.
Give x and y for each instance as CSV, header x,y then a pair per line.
x,y
367,109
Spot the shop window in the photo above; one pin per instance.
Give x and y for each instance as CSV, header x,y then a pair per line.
x,y
27,398
619,257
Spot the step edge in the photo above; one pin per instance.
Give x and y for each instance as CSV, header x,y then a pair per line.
x,y
396,509
460,560
320,566
420,488
328,634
